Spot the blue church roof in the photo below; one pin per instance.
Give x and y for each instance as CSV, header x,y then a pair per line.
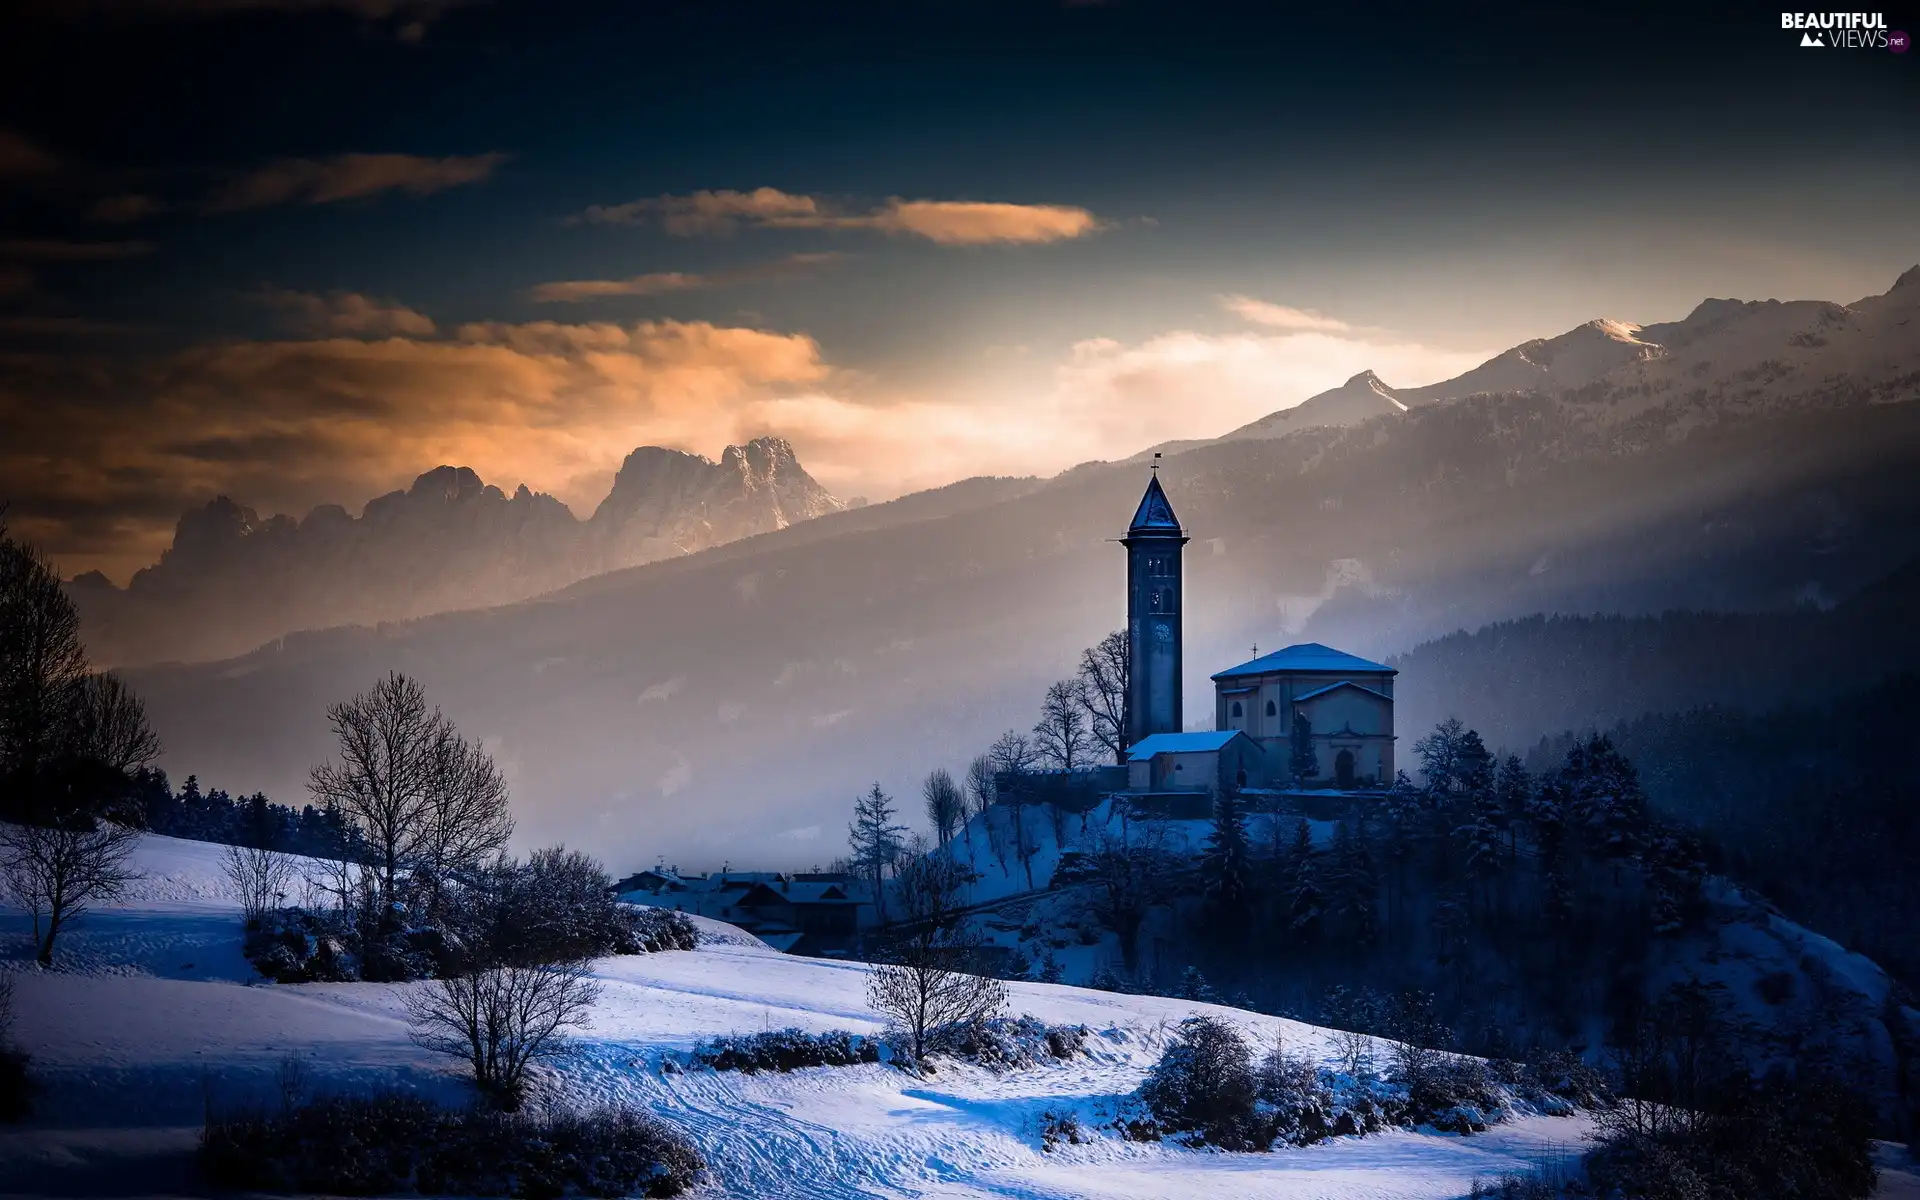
x,y
1307,656
1180,743
1155,514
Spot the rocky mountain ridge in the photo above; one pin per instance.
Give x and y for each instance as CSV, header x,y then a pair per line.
x,y
233,579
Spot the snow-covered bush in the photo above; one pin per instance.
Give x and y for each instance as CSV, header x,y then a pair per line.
x,y
1060,1127
653,930
294,945
1203,1087
1454,1094
785,1050
1298,1095
398,1143
1011,1043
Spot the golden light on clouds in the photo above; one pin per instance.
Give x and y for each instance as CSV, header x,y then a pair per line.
x,y
349,177
948,222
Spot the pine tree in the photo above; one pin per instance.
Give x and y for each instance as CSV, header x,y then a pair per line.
x,y
1194,986
875,841
1353,885
1224,865
1307,901
1303,762
1512,791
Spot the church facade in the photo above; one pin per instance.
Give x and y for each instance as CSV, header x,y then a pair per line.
x,y
1339,703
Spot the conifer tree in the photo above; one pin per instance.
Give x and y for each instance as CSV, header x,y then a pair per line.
x,y
875,841
1512,790
1303,762
1353,885
1307,901
1225,867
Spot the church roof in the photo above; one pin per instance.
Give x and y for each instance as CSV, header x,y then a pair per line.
x,y
1180,743
1305,658
1155,514
1334,687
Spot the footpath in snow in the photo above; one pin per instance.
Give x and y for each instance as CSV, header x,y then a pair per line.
x,y
157,1014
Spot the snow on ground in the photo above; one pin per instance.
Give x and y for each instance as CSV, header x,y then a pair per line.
x,y
155,1021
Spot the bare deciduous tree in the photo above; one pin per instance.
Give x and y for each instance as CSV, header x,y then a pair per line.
x,y
1060,736
1103,692
467,821
58,873
1129,879
257,877
420,794
946,807
931,988
501,1020
1011,754
980,796
110,724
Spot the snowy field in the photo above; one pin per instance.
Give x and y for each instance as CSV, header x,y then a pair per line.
x,y
155,1014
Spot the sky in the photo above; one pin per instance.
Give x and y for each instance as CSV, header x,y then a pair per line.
x,y
300,251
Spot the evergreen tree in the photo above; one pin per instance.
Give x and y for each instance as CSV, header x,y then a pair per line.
x,y
1225,867
1352,885
1512,791
1194,986
1604,798
1304,761
1307,902
875,841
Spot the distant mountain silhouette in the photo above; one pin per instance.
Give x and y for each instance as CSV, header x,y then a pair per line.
x,y
233,579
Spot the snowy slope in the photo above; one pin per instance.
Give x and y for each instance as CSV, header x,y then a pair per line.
x,y
142,1042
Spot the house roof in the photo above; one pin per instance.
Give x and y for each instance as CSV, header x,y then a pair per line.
x,y
1155,514
1180,743
794,893
1344,683
1306,658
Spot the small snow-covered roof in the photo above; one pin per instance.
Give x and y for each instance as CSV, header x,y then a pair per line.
x,y
1334,687
1306,657
1198,742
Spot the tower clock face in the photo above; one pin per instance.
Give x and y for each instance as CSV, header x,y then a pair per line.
x,y
1163,632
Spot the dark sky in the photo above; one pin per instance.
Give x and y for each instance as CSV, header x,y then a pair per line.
x,y
295,249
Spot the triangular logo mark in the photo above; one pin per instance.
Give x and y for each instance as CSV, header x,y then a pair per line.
x,y
1811,39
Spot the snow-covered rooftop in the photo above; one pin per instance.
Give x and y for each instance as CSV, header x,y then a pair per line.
x,y
1180,743
1306,657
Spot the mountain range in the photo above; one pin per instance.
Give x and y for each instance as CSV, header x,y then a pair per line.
x,y
232,579
733,701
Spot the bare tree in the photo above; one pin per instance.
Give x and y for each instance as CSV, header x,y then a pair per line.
x,y
41,666
501,1020
1012,753
58,873
1103,692
110,725
946,807
258,878
417,792
931,988
1060,736
467,821
980,797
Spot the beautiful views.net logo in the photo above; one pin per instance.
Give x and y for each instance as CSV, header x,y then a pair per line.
x,y
1857,31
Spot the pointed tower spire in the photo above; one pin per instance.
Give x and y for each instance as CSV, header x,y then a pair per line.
x,y
1154,545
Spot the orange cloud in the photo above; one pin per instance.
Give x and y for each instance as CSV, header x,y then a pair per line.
x,y
345,314
1279,316
661,282
949,222
348,177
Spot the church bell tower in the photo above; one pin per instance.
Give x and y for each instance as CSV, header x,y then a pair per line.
x,y
1154,551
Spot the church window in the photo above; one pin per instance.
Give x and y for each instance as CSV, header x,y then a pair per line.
x,y
1271,710
1236,708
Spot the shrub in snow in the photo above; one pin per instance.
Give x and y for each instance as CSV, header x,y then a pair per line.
x,y
785,1050
654,930
1010,1043
1204,1087
1298,1096
1060,1128
397,1143
501,1020
1454,1094
292,945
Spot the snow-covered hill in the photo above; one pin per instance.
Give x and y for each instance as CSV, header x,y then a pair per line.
x,y
157,1016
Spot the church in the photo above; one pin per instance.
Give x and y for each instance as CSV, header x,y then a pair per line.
x,y
1338,702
